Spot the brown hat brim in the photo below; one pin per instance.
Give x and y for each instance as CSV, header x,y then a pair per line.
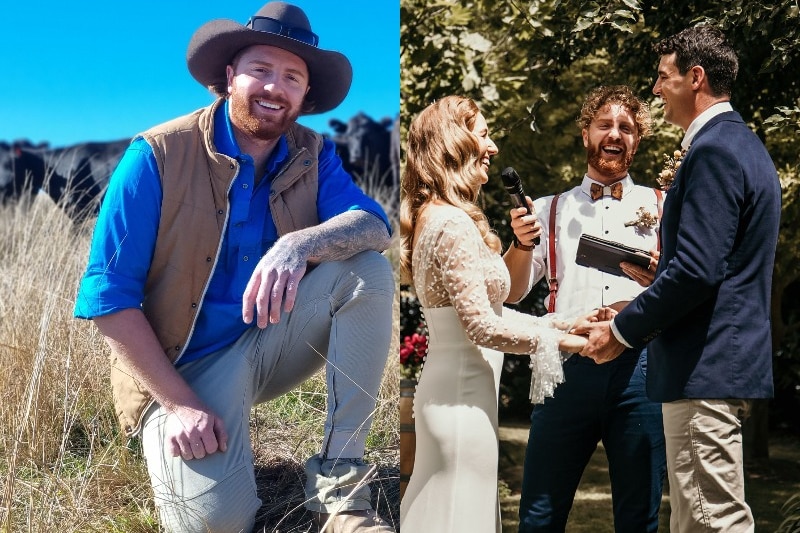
x,y
214,44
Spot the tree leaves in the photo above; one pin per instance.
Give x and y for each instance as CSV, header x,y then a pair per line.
x,y
508,54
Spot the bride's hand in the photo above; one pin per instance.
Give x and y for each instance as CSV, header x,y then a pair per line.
x,y
572,343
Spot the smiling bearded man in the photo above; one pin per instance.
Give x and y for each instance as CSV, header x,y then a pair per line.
x,y
595,403
233,258
610,142
267,87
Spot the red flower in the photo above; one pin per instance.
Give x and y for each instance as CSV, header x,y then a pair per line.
x,y
413,350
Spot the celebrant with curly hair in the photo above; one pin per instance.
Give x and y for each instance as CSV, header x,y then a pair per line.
x,y
452,258
598,403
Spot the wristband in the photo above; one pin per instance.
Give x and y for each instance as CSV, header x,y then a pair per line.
x,y
518,245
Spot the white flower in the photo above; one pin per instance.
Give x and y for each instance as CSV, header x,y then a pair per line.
x,y
671,166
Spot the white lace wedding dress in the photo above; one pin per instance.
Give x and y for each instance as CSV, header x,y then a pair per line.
x,y
461,285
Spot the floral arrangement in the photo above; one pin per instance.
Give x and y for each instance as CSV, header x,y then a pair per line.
x,y
645,219
413,351
413,336
671,166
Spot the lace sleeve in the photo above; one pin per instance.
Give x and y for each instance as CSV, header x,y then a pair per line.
x,y
469,270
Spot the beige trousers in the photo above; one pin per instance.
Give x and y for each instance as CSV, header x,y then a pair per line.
x,y
705,466
342,320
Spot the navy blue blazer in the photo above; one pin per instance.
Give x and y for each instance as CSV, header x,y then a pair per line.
x,y
706,317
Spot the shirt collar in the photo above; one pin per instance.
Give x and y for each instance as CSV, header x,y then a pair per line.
x,y
586,185
226,144
702,119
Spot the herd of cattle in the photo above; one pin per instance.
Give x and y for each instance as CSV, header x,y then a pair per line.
x,y
76,176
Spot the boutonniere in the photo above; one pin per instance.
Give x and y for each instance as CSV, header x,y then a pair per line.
x,y
671,166
644,219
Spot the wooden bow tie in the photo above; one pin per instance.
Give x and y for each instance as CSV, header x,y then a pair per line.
x,y
616,191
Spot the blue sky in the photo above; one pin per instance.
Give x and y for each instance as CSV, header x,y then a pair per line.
x,y
106,70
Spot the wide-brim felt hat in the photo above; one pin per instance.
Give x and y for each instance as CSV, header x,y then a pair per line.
x,y
214,45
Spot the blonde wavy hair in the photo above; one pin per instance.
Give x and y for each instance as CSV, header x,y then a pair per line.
x,y
442,163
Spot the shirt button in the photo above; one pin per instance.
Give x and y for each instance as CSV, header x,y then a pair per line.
x,y
244,185
194,305
232,166
220,212
208,259
606,232
606,287
245,258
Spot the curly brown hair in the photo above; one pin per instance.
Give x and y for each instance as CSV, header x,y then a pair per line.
x,y
616,94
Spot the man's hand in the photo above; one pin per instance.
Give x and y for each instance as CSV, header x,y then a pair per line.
x,y
596,315
642,276
602,346
193,433
274,282
526,227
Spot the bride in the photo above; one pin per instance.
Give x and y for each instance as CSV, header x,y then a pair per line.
x,y
453,261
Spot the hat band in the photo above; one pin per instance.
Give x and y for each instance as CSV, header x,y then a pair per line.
x,y
270,25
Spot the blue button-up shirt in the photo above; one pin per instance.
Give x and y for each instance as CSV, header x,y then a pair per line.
x,y
127,226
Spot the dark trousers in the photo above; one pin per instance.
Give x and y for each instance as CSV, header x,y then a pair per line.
x,y
604,402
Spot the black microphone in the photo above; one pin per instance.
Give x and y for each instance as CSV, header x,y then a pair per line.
x,y
513,185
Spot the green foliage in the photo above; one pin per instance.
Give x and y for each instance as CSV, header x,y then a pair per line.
x,y
530,63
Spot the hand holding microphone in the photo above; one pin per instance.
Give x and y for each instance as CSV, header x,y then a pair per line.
x,y
513,186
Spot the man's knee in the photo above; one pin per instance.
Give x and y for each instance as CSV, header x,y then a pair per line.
x,y
374,269
229,506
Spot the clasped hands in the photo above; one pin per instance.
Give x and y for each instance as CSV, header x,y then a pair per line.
x,y
601,344
591,336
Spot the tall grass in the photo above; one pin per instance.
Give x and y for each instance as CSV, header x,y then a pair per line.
x,y
64,464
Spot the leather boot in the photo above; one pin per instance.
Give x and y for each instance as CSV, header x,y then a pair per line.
x,y
367,521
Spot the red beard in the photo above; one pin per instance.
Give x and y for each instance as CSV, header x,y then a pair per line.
x,y
609,168
265,129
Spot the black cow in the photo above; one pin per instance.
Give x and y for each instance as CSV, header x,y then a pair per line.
x,y
74,176
394,152
364,146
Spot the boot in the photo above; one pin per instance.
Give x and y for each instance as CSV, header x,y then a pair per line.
x,y
366,521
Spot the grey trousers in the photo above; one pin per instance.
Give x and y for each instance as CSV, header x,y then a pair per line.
x,y
342,319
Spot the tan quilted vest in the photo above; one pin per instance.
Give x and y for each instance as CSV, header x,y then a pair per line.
x,y
195,180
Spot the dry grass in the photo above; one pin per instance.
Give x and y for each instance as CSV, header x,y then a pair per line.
x,y
64,465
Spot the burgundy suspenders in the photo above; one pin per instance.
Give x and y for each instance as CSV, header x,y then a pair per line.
x,y
551,248
552,281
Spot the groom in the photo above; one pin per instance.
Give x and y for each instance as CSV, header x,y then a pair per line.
x,y
706,316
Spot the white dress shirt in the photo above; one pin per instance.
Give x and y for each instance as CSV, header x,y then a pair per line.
x,y
702,119
581,289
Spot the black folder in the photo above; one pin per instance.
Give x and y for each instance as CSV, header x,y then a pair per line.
x,y
606,256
